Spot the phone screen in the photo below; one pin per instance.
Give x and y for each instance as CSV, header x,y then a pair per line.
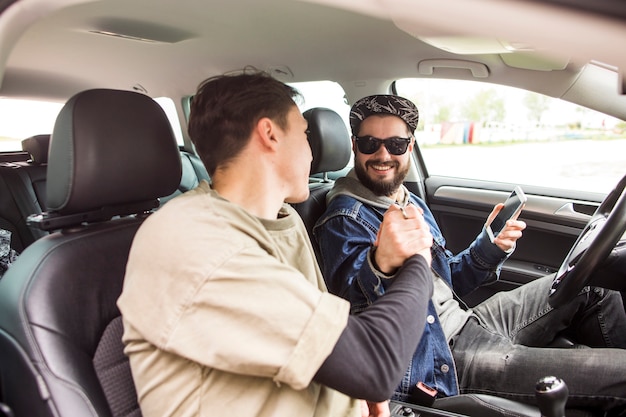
x,y
512,205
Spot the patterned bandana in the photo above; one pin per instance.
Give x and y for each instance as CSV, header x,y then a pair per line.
x,y
385,104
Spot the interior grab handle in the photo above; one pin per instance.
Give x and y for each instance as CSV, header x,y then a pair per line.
x,y
567,210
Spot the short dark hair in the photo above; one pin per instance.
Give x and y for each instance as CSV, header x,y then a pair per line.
x,y
226,108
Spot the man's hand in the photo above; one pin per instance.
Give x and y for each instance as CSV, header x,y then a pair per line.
x,y
369,409
402,234
510,233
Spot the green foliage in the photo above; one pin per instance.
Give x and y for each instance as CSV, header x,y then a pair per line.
x,y
486,106
536,104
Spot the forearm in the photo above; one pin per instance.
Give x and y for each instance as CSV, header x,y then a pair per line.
x,y
344,245
376,346
369,283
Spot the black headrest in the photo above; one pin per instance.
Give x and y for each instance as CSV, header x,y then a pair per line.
x,y
329,140
37,146
110,148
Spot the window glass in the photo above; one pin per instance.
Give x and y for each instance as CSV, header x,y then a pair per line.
x,y
484,131
170,110
327,94
20,119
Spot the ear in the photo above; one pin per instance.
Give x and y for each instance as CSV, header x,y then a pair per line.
x,y
266,130
353,145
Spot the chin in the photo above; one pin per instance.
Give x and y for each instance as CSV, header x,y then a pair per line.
x,y
382,178
299,198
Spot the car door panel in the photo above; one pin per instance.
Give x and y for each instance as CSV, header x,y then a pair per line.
x,y
554,219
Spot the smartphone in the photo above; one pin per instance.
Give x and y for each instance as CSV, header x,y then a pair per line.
x,y
512,207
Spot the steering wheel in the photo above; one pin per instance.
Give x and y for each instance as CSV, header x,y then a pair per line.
x,y
603,231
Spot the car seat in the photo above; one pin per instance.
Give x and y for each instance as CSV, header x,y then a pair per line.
x,y
193,171
22,190
331,147
112,155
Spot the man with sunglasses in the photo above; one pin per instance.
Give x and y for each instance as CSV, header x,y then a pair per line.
x,y
484,349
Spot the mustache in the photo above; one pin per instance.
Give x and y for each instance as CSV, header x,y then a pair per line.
x,y
392,164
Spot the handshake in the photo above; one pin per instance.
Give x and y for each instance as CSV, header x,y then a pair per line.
x,y
402,234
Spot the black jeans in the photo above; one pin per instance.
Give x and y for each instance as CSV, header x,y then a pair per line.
x,y
501,351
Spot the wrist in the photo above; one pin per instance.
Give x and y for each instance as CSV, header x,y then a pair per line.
x,y
386,272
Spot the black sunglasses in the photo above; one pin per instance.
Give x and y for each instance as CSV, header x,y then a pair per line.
x,y
369,144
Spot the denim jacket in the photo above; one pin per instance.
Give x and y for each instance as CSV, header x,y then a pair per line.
x,y
345,235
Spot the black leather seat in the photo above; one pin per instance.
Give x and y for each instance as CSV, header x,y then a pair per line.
x,y
23,187
331,147
112,155
22,190
193,171
38,148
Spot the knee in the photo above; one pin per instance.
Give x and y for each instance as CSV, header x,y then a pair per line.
x,y
610,300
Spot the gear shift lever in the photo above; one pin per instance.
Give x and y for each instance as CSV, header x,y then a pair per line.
x,y
551,395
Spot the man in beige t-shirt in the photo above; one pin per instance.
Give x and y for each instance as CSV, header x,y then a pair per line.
x,y
225,309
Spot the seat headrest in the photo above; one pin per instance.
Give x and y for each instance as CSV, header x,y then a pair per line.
x,y
110,148
37,146
329,139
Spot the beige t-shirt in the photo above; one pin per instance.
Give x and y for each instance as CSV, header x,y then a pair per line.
x,y
228,314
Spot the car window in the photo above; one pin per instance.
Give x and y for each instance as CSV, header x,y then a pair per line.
x,y
170,110
327,94
20,119
484,131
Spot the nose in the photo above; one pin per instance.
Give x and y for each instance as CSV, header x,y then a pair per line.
x,y
382,152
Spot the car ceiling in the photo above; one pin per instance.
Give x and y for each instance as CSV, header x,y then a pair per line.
x,y
55,48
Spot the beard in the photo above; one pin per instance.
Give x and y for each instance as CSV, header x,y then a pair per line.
x,y
382,187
